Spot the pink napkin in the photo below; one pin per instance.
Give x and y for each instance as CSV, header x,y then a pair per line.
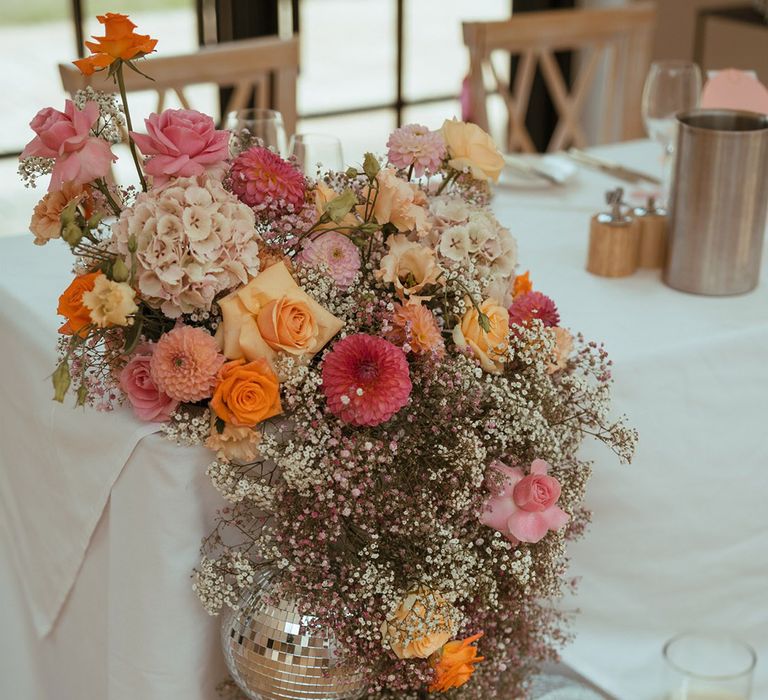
x,y
735,89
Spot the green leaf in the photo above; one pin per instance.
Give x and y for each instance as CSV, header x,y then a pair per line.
x,y
82,395
371,166
61,381
485,322
136,70
133,334
340,206
219,425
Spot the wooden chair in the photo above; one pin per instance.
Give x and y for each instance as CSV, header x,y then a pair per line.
x,y
244,66
620,35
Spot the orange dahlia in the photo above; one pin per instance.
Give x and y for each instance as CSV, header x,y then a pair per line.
x,y
456,664
415,325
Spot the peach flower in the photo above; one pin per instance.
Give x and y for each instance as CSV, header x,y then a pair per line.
x,y
110,303
247,393
399,203
234,443
270,314
563,347
288,326
488,346
472,148
411,267
456,664
46,217
422,623
522,284
415,325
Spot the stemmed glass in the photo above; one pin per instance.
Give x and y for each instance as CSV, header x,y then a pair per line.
x,y
247,125
670,88
316,151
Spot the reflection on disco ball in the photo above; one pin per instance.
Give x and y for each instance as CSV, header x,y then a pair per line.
x,y
272,655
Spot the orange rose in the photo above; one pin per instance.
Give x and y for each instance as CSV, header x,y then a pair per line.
x,y
246,393
489,346
119,42
288,326
456,664
71,305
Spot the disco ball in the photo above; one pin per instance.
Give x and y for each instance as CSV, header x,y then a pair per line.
x,y
273,655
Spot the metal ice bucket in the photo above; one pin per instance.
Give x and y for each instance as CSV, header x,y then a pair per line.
x,y
718,203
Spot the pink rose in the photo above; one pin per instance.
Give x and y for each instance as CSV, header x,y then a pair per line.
x,y
181,143
525,509
66,137
149,403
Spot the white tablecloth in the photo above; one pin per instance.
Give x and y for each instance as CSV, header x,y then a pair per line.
x,y
97,542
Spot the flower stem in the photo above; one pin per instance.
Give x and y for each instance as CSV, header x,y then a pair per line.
x,y
102,187
446,182
131,144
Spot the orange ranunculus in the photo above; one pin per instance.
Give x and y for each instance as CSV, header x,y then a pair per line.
x,y
456,664
246,393
522,284
71,305
119,42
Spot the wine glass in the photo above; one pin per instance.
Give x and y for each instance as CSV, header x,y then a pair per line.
x,y
670,88
316,152
248,125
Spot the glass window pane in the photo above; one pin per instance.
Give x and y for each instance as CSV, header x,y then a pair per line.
x,y
348,54
435,57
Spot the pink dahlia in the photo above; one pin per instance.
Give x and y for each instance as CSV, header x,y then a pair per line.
x,y
261,176
185,363
366,380
415,145
533,305
339,255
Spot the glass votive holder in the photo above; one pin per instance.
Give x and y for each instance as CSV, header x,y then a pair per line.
x,y
704,666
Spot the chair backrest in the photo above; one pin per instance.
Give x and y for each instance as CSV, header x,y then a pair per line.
x,y
244,66
622,36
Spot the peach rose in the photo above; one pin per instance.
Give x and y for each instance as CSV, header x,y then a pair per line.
x,y
488,346
422,623
472,148
234,443
288,326
563,347
272,313
399,203
246,393
46,216
409,266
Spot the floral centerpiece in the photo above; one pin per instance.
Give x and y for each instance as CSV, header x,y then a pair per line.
x,y
394,410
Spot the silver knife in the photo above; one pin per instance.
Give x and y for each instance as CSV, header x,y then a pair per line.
x,y
526,168
619,171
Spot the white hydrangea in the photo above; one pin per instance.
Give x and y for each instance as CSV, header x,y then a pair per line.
x,y
193,240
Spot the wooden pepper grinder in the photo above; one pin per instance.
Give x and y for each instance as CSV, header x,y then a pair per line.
x,y
614,240
653,234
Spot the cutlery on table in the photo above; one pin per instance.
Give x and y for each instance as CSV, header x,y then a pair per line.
x,y
619,171
525,167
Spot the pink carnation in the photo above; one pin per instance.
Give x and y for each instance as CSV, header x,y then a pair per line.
x,y
148,402
533,305
525,508
66,137
261,176
185,363
415,145
339,255
366,380
181,143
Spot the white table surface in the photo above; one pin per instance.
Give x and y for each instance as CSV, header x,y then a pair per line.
x,y
679,540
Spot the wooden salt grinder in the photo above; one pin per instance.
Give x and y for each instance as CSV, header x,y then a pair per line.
x,y
614,240
653,234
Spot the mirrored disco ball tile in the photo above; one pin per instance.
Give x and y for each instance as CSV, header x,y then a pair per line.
x,y
271,657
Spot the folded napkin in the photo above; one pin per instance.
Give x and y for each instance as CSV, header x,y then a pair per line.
x,y
735,89
57,466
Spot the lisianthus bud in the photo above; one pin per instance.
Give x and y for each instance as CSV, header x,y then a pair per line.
x,y
72,234
61,381
120,272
